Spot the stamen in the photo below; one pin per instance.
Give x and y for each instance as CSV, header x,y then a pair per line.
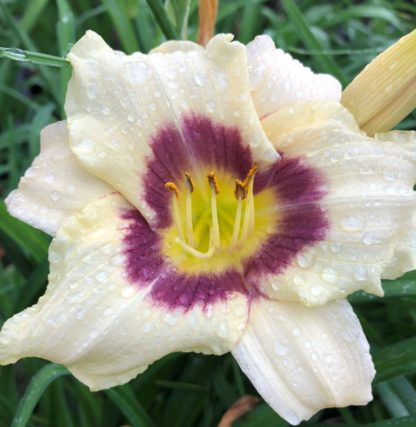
x,y
171,186
240,194
194,251
249,211
212,180
188,210
250,175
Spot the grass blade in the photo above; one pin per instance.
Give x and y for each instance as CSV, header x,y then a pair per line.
x,y
34,392
132,409
17,54
162,19
309,39
120,17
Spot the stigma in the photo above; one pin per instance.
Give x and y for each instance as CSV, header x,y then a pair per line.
x,y
212,215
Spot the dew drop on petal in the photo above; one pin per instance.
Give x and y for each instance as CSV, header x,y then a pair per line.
x,y
316,290
92,91
223,330
101,276
352,223
55,196
128,292
329,275
360,273
280,349
296,332
304,260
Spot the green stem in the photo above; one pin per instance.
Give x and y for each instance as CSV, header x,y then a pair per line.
x,y
17,54
162,19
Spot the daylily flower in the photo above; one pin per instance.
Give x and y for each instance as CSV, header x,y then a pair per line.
x,y
213,199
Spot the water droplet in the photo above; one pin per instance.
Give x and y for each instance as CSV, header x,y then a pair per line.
x,y
352,223
55,196
296,332
280,349
329,275
316,290
101,276
298,281
49,179
360,273
86,146
223,330
92,91
130,118
128,291
108,311
173,84
147,327
200,80
304,260
211,106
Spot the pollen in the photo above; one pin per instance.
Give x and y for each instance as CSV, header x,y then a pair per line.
x,y
172,187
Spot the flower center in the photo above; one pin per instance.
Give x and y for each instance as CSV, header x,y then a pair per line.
x,y
217,220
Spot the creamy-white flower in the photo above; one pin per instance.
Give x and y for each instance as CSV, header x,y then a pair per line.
x,y
213,200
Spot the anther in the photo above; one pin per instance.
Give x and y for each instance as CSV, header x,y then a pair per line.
x,y
172,187
188,182
213,183
250,175
240,191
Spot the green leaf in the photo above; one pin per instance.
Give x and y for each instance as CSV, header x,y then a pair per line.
x,y
262,415
34,391
35,242
162,19
123,24
178,12
130,407
396,359
310,40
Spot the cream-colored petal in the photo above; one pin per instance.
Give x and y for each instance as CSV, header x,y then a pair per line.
x,y
117,105
95,322
404,258
55,185
304,359
276,79
369,204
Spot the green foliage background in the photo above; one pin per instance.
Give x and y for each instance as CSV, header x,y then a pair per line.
x,y
181,390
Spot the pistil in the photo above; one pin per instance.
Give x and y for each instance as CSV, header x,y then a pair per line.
x,y
188,211
213,184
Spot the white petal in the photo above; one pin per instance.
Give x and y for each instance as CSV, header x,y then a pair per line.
x,y
276,79
117,105
55,185
304,359
404,258
369,204
96,322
